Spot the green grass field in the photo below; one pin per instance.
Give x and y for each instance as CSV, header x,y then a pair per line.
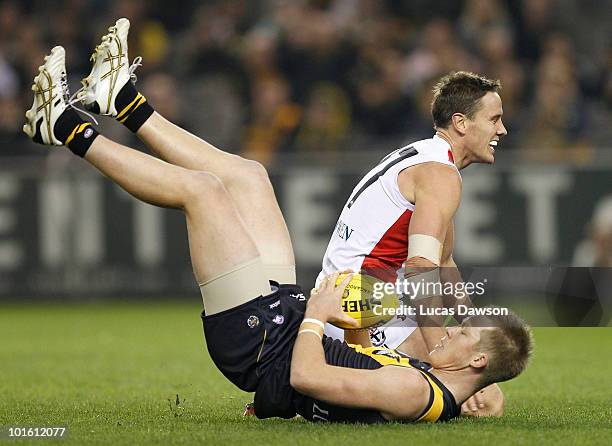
x,y
112,373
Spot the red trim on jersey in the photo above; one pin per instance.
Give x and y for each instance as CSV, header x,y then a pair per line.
x,y
451,158
391,250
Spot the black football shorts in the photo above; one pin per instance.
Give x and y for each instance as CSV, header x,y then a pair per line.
x,y
244,341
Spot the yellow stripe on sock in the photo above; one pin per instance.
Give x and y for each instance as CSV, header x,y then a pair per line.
x,y
127,108
140,102
71,136
78,129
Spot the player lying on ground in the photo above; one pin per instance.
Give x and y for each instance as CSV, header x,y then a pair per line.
x,y
262,335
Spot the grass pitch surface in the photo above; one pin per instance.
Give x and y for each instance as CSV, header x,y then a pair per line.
x,y
112,373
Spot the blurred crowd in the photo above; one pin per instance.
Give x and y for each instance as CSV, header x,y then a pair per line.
x,y
268,77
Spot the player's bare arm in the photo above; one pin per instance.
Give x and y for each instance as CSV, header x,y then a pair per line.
x,y
312,376
488,401
435,189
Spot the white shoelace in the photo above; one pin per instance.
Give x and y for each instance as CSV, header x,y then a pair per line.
x,y
72,100
137,62
75,100
77,97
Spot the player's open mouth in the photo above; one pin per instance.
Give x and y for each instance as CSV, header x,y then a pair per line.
x,y
493,145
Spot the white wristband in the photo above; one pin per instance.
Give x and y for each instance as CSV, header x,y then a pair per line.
x,y
314,321
309,330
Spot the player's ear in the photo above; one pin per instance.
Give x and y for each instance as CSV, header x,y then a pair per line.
x,y
459,123
479,360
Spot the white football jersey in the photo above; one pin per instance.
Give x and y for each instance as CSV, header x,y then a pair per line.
x,y
372,231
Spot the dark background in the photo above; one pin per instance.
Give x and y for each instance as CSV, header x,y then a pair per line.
x,y
318,91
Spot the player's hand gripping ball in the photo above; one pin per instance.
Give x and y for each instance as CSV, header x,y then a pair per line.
x,y
366,301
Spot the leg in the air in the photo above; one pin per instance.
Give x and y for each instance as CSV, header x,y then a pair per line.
x,y
108,91
221,247
247,182
218,239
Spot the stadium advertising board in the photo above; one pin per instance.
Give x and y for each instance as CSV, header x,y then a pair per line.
x,y
75,234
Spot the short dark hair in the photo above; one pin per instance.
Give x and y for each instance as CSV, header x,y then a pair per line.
x,y
459,92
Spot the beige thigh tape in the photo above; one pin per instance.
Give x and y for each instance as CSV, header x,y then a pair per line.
x,y
280,273
235,287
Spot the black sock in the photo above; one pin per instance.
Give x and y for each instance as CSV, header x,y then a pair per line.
x,y
132,107
74,132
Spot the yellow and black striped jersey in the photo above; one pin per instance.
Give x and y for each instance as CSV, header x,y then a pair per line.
x,y
441,406
435,408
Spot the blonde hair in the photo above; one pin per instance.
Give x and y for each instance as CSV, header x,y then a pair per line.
x,y
508,343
